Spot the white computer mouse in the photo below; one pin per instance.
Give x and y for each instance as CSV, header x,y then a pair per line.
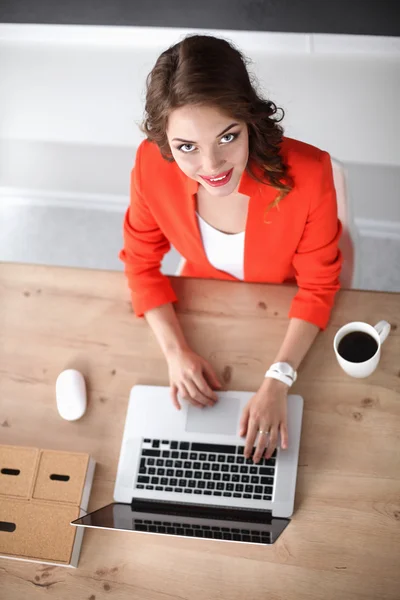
x,y
71,395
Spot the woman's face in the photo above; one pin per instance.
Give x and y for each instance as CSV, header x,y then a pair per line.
x,y
209,147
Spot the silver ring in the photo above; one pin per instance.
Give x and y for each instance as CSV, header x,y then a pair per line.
x,y
261,431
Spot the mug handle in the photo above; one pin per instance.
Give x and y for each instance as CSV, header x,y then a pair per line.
x,y
383,329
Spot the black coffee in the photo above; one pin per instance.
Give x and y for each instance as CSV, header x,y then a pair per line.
x,y
357,346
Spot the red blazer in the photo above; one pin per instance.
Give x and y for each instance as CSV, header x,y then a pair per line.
x,y
295,241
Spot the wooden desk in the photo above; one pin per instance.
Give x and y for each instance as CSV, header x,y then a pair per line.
x,y
344,539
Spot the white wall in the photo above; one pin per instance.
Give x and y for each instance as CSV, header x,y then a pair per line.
x,y
71,98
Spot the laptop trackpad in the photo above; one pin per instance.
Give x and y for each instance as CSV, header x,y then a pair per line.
x,y
221,418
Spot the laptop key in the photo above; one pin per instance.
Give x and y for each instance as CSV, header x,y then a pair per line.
x,y
169,489
170,472
179,473
240,459
187,465
155,480
192,483
258,489
202,456
257,497
267,497
187,491
253,470
159,488
149,487
201,484
234,469
184,455
165,453
193,456
184,446
206,476
220,486
165,442
244,469
236,495
206,467
247,496
147,441
150,452
139,486
178,490
164,481
197,491
156,443
230,487
174,445
173,482
142,470
235,478
226,477
215,467
221,458
216,476
159,462
188,474
239,487
196,466
255,479
225,468
217,493
182,483
210,485
207,492
267,471
245,478
198,475
174,454
228,494
212,457
178,464
143,479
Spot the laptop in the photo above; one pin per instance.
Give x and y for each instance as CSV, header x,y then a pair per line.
x,y
183,473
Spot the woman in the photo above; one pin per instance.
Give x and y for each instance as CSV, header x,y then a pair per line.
x,y
217,180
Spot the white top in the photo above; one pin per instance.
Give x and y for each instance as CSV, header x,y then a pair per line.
x,y
224,251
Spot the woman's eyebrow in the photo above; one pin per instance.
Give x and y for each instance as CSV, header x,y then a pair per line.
x,y
219,135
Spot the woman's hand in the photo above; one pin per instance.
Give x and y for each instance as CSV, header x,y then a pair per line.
x,y
267,410
193,377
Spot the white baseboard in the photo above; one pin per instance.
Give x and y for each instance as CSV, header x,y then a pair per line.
x,y
119,203
55,198
389,230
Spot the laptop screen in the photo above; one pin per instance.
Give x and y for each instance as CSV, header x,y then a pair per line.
x,y
196,521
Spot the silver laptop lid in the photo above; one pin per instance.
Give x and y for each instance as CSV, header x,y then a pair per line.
x,y
200,522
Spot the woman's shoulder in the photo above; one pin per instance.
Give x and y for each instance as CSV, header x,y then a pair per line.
x,y
299,155
148,156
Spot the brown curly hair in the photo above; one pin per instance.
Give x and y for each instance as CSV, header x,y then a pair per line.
x,y
205,70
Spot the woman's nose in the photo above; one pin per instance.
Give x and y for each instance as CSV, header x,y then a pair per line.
x,y
212,163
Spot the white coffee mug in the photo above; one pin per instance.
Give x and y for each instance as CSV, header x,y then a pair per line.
x,y
362,369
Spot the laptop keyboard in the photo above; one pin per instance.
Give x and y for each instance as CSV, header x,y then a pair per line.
x,y
204,470
204,531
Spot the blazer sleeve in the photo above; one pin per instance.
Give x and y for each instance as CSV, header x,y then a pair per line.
x,y
318,260
144,247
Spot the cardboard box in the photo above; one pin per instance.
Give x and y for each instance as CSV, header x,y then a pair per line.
x,y
41,492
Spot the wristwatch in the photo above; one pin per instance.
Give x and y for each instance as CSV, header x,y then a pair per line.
x,y
282,371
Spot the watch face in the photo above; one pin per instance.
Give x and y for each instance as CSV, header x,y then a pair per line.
x,y
286,369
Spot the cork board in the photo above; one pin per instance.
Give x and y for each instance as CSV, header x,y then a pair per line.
x,y
60,476
37,530
17,470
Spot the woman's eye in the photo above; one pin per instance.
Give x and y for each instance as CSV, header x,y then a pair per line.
x,y
229,137
186,148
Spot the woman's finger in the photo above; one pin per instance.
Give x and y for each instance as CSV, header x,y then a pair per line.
x,y
284,436
211,376
244,420
174,396
183,392
273,440
252,431
195,396
263,438
204,388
